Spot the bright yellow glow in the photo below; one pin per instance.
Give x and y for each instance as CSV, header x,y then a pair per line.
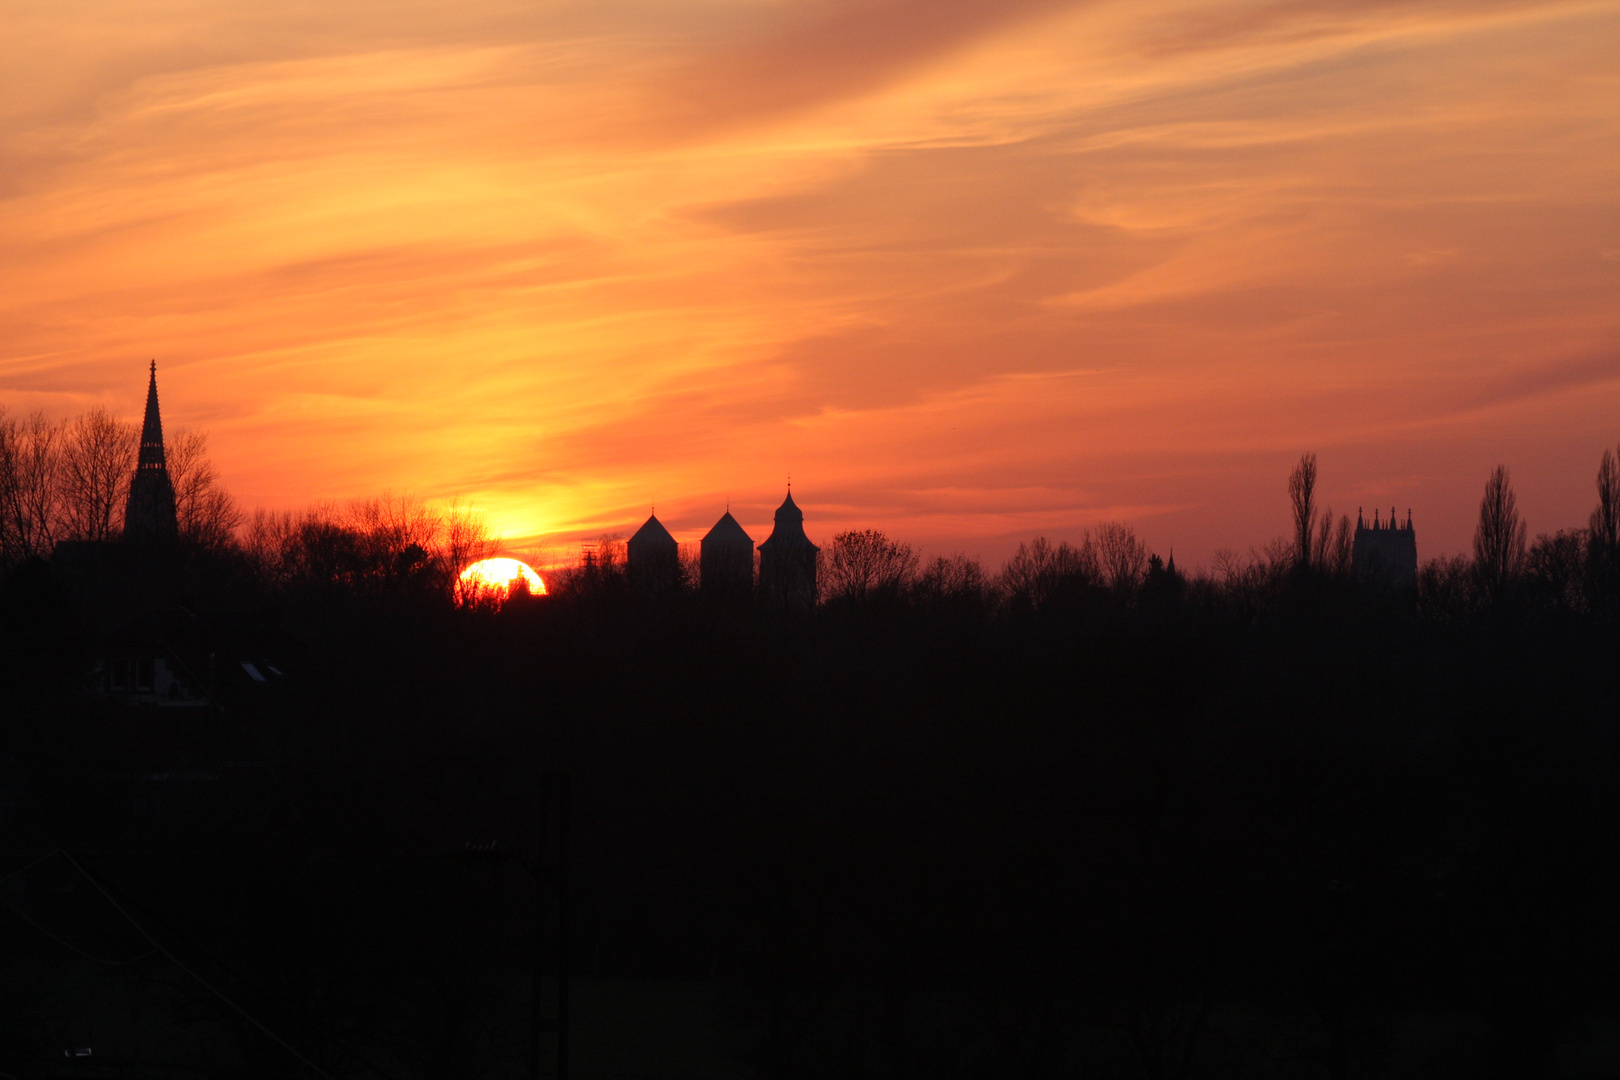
x,y
497,578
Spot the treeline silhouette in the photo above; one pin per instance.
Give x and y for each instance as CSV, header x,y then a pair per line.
x,y
1081,814
66,480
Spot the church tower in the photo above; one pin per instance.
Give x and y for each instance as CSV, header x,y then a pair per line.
x,y
653,557
727,560
787,561
149,515
1385,554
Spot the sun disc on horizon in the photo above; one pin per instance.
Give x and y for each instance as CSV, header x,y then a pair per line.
x,y
499,577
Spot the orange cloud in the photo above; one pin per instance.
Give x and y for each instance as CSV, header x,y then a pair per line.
x,y
967,271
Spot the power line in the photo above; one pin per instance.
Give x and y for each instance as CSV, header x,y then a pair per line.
x,y
158,949
31,921
30,866
210,987
25,917
261,991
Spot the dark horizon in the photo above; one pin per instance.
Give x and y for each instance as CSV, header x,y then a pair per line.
x,y
300,802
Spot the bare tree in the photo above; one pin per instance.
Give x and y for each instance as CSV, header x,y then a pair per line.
x,y
98,456
956,577
1302,494
1041,570
401,542
30,496
1553,564
1122,557
1604,526
1603,530
1500,535
268,542
865,563
1447,589
1334,544
206,512
466,540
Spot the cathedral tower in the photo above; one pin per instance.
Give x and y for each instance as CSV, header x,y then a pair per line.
x,y
149,515
1385,553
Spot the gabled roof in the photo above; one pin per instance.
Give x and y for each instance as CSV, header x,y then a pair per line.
x,y
727,531
653,532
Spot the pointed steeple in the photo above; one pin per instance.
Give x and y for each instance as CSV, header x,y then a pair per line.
x,y
149,515
152,428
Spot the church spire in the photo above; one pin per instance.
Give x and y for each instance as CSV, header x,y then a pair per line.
x,y
149,515
152,428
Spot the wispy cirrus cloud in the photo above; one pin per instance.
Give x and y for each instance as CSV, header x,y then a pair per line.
x,y
961,268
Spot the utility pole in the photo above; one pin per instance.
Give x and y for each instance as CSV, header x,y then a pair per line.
x,y
551,905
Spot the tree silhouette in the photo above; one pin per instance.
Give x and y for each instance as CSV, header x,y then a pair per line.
x,y
953,578
1554,567
207,514
97,458
1499,537
1335,544
864,563
1302,494
1603,533
1122,557
1041,571
30,496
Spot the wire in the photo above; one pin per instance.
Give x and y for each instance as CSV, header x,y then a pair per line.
x,y
25,917
261,991
29,919
210,987
30,866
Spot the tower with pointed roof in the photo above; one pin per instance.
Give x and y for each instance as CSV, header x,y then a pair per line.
x,y
149,515
653,557
727,560
787,561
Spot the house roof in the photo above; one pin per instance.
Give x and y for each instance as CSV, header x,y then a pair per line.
x,y
218,655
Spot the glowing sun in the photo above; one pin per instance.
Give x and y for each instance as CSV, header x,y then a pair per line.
x,y
501,577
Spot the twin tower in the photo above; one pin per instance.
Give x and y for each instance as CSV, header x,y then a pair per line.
x,y
787,560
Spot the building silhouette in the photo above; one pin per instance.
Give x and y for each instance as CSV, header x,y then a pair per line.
x,y
1385,553
727,560
149,515
787,561
652,557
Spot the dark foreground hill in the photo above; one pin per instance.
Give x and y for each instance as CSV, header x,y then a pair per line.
x,y
1274,827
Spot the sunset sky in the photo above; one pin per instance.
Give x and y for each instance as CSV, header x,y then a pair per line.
x,y
969,272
